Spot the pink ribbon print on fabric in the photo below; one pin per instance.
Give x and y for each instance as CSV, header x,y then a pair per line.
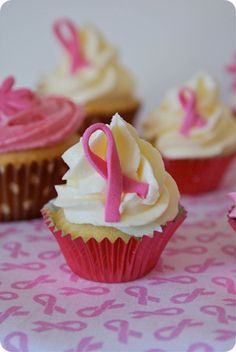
x,y
111,171
13,101
192,118
188,300
71,43
231,69
232,195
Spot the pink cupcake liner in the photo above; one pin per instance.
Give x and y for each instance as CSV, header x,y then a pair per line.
x,y
113,262
232,221
194,176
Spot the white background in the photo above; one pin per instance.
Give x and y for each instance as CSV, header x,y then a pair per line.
x,y
164,42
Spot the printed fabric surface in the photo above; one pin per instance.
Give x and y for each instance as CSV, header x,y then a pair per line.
x,y
187,303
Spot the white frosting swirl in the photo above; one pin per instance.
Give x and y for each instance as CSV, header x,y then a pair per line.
x,y
216,137
103,77
83,196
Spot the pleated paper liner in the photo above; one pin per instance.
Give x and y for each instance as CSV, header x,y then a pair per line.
x,y
113,262
25,188
194,176
232,221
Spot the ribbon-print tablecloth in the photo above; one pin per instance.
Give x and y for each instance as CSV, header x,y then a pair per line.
x,y
187,303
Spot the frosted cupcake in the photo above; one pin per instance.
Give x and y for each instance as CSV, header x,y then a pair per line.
x,y
34,132
232,212
118,208
231,69
195,133
90,74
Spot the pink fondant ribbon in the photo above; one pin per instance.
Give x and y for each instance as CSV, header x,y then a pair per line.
x,y
232,195
71,42
111,171
231,68
188,101
13,101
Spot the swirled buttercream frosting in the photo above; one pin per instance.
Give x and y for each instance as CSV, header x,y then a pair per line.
x,y
117,179
28,122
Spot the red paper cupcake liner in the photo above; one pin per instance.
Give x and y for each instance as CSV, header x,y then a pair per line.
x,y
232,221
24,189
113,262
195,176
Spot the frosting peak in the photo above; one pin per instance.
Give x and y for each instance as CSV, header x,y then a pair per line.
x,y
14,101
83,197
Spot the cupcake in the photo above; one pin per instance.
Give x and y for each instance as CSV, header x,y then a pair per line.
x,y
118,208
90,74
195,133
34,132
232,212
231,69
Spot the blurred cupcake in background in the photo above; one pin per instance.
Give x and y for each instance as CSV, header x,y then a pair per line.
x,y
118,208
34,132
232,212
231,69
90,74
196,134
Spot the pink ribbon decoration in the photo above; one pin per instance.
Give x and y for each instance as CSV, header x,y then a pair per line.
x,y
188,101
232,195
71,43
172,331
111,171
123,331
49,302
219,312
14,101
231,68
141,293
94,311
224,281
16,341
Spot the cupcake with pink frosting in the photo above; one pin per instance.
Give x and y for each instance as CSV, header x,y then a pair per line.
x,y
196,134
34,132
232,212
